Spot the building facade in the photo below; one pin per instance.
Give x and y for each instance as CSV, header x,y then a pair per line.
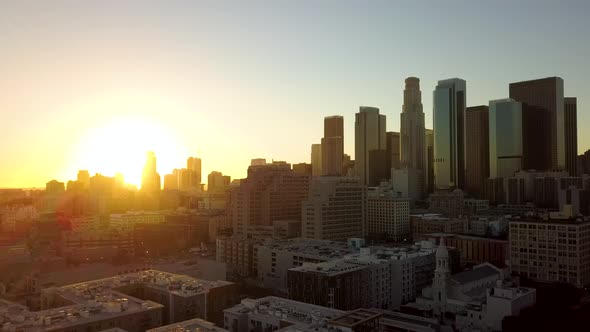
x,y
369,134
477,158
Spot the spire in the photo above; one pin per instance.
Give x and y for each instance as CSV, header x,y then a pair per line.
x,y
441,251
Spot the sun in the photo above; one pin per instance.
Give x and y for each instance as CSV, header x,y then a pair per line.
x,y
120,146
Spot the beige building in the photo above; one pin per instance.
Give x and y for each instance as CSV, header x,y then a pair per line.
x,y
551,250
388,216
334,209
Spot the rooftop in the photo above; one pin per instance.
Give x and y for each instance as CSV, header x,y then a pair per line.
x,y
196,324
311,247
479,272
300,314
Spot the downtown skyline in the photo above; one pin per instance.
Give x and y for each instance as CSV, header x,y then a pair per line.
x,y
213,95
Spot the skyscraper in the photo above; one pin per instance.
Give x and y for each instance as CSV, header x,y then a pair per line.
x,y
429,178
546,95
193,165
150,180
506,138
412,126
369,135
449,134
477,156
393,148
333,145
571,134
334,126
316,159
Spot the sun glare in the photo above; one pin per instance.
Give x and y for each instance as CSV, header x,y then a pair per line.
x,y
120,146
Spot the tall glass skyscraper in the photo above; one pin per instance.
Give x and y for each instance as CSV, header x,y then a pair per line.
x,y
449,133
506,137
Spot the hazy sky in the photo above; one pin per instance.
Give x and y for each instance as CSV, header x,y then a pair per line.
x,y
93,84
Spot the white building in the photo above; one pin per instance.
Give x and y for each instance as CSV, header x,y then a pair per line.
x,y
334,209
480,298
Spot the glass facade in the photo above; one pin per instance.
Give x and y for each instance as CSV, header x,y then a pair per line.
x,y
449,134
506,137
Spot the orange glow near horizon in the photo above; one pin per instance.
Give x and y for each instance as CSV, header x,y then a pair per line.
x,y
120,146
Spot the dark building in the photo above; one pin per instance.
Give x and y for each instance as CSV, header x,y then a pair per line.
x,y
546,94
334,126
571,135
393,148
302,168
584,163
379,167
429,160
477,166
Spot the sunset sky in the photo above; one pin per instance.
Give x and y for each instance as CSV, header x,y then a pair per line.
x,y
95,84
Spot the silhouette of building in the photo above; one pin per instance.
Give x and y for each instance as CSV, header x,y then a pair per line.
x,y
150,180
333,145
393,148
570,111
449,134
412,131
334,209
84,178
217,181
270,193
193,165
477,156
369,135
303,169
316,159
584,163
546,95
429,178
379,167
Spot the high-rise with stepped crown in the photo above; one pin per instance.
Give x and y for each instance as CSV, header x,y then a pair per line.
x,y
412,133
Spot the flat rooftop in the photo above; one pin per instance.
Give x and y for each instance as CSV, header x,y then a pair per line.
x,y
108,306
311,247
177,284
301,315
191,325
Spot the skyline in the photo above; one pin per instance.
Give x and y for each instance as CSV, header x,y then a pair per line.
x,y
184,78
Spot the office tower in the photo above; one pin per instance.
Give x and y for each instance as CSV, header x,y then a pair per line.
x,y
270,193
449,134
584,163
334,126
347,166
392,146
405,181
369,135
570,111
217,181
379,167
84,178
334,209
505,138
332,154
193,165
54,187
412,127
303,169
150,180
477,168
429,178
170,182
316,159
546,95
257,162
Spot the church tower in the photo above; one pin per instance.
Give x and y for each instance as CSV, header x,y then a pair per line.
x,y
442,277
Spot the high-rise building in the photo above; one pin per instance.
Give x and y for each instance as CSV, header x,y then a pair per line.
x,y
332,154
449,134
84,178
379,167
388,216
194,167
270,193
429,178
477,168
393,148
217,181
570,111
506,148
334,126
584,163
412,127
369,135
150,180
334,209
316,159
546,95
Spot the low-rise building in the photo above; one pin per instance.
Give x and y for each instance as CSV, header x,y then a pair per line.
x,y
191,325
474,249
447,202
422,224
238,253
274,258
273,313
388,216
124,222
